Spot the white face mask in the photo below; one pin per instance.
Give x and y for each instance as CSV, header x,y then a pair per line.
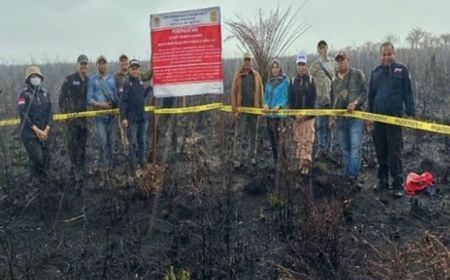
x,y
35,81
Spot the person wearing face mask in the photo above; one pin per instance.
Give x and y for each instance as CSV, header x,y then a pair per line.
x,y
302,95
390,93
35,109
72,99
275,98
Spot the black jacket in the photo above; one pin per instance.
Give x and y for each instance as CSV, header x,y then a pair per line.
x,y
73,97
390,91
35,108
132,99
302,93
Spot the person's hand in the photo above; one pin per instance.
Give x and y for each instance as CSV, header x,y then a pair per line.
x,y
410,117
332,123
276,109
368,125
103,105
266,109
125,123
39,133
351,107
45,132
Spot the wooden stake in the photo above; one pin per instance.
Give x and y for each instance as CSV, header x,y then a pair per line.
x,y
154,135
222,132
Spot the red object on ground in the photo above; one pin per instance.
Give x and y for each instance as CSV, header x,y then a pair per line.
x,y
415,182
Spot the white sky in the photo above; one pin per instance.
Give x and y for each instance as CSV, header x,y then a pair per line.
x,y
59,30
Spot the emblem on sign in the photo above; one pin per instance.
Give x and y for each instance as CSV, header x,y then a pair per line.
x,y
213,16
156,22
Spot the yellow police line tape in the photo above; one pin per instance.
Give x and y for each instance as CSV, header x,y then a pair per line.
x,y
426,126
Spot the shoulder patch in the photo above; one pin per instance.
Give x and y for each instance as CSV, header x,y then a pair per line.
x,y
20,100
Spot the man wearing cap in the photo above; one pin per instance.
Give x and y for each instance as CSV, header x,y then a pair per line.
x,y
132,114
122,74
323,70
302,95
102,94
72,99
120,77
390,93
35,109
349,91
246,91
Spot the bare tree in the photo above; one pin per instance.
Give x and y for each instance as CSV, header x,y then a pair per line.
x,y
268,36
415,37
394,39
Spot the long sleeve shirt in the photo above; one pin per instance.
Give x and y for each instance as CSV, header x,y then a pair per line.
x,y
390,91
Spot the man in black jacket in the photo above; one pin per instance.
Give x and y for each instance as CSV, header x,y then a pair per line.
x,y
72,99
390,94
132,106
302,95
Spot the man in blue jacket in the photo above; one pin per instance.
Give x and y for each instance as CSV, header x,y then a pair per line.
x,y
102,94
132,106
390,94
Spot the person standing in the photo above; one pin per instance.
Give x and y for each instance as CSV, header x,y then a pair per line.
x,y
349,91
275,98
302,95
35,110
72,99
132,103
247,90
120,76
323,70
390,93
102,94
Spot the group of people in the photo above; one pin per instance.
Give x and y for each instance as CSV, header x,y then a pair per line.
x,y
327,84
79,92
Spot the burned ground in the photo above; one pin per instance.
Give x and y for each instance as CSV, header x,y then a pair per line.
x,y
217,222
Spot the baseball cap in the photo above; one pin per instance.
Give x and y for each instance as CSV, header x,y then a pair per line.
x,y
100,58
301,58
134,62
82,59
248,55
341,54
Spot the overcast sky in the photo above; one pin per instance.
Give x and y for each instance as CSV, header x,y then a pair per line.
x,y
58,30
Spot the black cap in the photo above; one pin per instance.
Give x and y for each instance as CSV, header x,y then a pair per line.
x,y
322,42
82,59
341,54
134,62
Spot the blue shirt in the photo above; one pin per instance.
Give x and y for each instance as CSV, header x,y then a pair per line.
x,y
102,90
276,96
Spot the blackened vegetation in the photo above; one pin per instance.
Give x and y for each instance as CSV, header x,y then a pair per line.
x,y
212,221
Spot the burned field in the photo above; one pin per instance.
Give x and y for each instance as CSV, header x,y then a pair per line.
x,y
216,222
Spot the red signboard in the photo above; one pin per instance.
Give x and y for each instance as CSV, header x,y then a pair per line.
x,y
187,53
